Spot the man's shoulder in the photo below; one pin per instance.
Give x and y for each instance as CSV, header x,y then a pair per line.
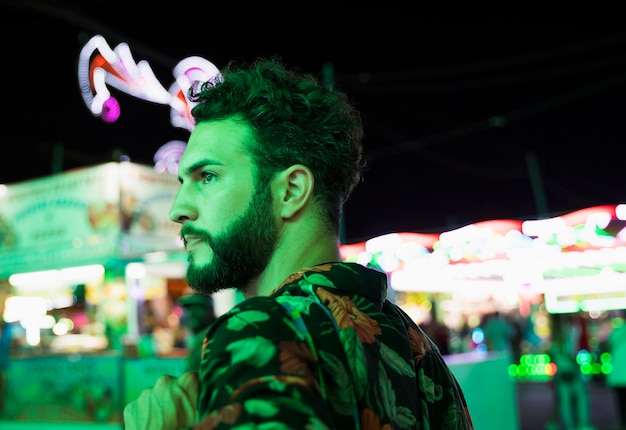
x,y
273,306
258,302
257,316
349,278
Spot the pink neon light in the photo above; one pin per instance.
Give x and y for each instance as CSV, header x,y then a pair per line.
x,y
110,110
99,67
580,217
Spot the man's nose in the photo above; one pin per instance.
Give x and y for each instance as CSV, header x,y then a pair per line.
x,y
181,209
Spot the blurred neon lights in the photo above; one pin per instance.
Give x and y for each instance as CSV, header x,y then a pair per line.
x,y
533,367
99,67
580,252
539,367
167,157
49,278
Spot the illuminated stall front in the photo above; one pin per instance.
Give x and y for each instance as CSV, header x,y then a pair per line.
x,y
82,255
576,261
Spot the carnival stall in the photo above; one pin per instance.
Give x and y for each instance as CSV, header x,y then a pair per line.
x,y
90,266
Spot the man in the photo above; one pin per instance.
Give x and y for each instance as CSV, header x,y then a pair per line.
x,y
315,345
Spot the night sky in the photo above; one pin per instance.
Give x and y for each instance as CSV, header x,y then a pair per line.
x,y
467,118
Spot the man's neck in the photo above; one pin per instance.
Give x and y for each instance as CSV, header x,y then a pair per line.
x,y
293,255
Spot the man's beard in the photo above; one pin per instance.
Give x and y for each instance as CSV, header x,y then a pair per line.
x,y
241,253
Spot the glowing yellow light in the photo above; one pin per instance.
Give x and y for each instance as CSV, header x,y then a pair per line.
x,y
49,278
136,270
63,326
17,308
46,321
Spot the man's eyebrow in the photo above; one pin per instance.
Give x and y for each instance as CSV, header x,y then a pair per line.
x,y
199,165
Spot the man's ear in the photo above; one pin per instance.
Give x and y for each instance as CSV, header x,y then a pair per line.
x,y
294,188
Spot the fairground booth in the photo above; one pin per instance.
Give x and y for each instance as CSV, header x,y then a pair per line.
x,y
91,268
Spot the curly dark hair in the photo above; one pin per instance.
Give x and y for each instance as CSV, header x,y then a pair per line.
x,y
295,120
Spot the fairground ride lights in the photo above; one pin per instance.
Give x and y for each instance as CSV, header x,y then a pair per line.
x,y
50,278
504,254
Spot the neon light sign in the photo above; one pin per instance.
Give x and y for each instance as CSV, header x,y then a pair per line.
x,y
100,67
578,260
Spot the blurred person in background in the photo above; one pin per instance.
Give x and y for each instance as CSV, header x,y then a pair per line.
x,y
530,339
199,314
500,334
616,343
571,393
439,332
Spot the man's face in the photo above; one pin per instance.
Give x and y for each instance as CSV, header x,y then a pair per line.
x,y
227,221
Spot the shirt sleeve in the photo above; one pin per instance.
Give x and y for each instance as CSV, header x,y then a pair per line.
x,y
257,368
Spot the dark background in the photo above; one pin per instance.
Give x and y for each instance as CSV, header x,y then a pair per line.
x,y
463,112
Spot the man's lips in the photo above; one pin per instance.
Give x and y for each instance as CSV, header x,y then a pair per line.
x,y
191,240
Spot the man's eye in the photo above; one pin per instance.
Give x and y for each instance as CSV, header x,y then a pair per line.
x,y
207,177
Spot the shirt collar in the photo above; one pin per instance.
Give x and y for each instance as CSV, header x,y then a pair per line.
x,y
348,277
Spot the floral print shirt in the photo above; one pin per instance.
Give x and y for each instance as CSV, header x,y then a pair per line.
x,y
326,350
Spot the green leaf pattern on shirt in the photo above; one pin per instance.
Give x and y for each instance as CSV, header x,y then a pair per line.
x,y
356,357
432,391
254,351
319,279
340,378
395,361
386,395
261,407
242,319
316,424
401,416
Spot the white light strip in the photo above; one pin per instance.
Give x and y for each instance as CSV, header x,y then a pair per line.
x,y
55,278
